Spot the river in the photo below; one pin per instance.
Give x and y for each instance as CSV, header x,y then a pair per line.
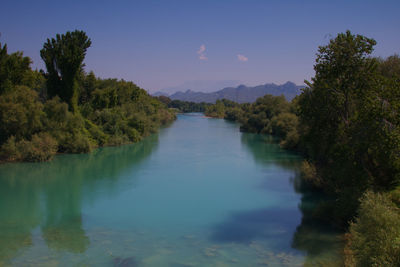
x,y
198,193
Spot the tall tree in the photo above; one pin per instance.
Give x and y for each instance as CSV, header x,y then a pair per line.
x,y
343,72
64,57
14,69
332,110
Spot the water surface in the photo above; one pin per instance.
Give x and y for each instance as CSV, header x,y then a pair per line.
x,y
199,193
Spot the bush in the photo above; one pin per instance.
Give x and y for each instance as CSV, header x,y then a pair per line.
x,y
291,141
20,114
284,123
132,134
77,143
116,140
9,151
96,133
375,235
309,174
42,147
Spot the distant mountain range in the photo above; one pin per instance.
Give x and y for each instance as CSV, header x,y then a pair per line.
x,y
240,94
205,86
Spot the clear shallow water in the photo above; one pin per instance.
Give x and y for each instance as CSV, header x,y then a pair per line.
x,y
199,193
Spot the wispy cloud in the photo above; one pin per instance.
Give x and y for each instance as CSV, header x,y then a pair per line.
x,y
242,58
201,51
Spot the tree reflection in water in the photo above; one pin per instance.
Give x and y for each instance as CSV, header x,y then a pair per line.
x,y
52,196
322,244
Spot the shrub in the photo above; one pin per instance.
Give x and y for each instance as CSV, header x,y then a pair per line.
x,y
20,113
291,141
375,235
77,143
96,133
116,140
9,151
132,134
309,173
42,147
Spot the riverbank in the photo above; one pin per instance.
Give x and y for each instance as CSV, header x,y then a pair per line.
x,y
42,114
346,125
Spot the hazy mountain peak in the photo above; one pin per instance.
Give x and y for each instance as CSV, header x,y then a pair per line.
x,y
199,86
241,93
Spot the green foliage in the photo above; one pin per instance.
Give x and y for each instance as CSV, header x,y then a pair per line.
x,y
268,115
121,112
184,106
343,73
96,133
390,67
42,147
14,70
217,110
20,114
109,112
64,57
89,84
375,235
165,99
259,115
349,122
309,174
66,127
395,196
285,126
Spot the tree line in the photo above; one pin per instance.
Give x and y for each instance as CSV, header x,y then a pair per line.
x,y
346,124
65,109
184,106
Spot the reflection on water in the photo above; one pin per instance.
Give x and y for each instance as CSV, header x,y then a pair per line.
x,y
49,195
265,151
198,194
322,243
248,226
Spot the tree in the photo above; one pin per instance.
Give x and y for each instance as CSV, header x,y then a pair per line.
x,y
343,72
64,57
89,84
334,132
14,69
20,114
390,67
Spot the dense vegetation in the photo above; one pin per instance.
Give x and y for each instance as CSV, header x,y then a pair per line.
x,y
346,123
184,106
65,109
268,115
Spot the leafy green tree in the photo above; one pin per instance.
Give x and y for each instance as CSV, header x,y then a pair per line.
x,y
165,99
14,69
89,84
349,121
21,114
390,67
261,112
64,57
343,72
283,123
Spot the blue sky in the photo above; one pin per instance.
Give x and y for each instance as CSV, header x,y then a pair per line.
x,y
160,44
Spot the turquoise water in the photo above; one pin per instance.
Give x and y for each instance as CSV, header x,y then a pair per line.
x,y
199,193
